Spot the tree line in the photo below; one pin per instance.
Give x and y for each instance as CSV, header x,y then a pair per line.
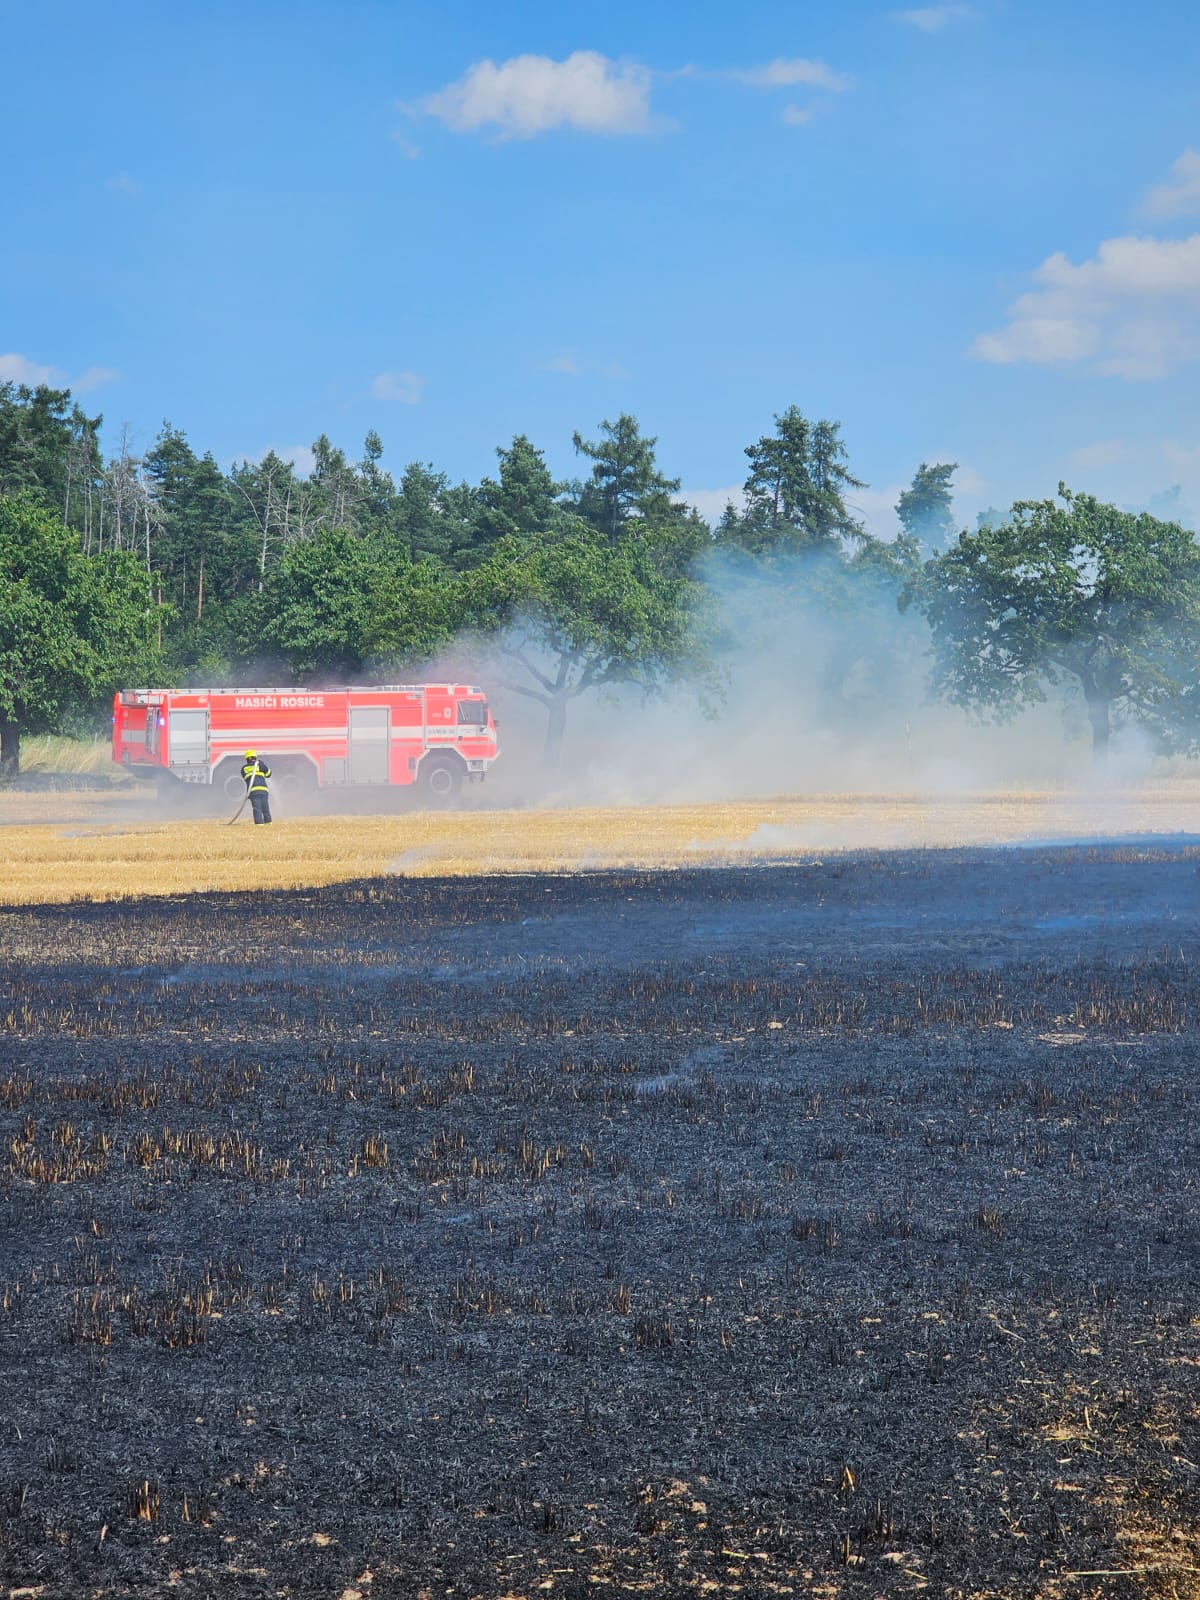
x,y
164,566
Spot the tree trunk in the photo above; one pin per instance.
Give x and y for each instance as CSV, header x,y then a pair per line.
x,y
1099,715
556,727
10,749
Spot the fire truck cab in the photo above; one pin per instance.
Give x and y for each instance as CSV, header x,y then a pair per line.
x,y
436,736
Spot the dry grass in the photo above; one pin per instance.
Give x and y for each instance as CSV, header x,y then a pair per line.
x,y
54,753
65,847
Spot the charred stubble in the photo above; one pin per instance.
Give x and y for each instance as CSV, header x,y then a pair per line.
x,y
824,1229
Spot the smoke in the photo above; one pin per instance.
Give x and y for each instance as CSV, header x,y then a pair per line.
x,y
824,690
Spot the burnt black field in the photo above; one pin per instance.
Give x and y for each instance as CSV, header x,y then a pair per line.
x,y
815,1230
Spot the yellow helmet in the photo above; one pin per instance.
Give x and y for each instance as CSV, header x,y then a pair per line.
x,y
249,755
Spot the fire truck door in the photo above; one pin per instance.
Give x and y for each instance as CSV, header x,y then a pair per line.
x,y
187,733
370,744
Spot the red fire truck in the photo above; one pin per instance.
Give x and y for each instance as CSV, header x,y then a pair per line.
x,y
434,735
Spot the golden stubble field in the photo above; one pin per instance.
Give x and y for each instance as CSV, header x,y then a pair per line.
x,y
100,846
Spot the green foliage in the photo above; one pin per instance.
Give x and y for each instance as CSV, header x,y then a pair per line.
x,y
430,517
1070,592
795,491
925,507
70,624
625,483
270,507
196,549
523,503
332,606
377,492
48,447
581,612
345,573
419,608
337,489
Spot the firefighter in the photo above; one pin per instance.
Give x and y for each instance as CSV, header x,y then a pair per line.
x,y
256,773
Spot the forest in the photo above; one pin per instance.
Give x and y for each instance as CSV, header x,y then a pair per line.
x,y
168,567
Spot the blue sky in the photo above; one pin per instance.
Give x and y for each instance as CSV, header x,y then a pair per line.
x,y
966,231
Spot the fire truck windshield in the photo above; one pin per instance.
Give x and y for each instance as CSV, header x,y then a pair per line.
x,y
473,711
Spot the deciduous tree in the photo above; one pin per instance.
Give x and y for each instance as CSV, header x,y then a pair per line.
x,y
334,608
1069,593
579,613
71,626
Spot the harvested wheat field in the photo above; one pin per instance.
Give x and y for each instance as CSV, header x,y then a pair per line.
x,y
75,846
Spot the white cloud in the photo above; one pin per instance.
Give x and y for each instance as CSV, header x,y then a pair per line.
x,y
711,503
122,183
16,368
1044,340
966,480
797,116
1180,195
573,366
93,378
591,93
564,361
1128,266
786,72
1134,308
300,456
877,509
19,369
403,388
528,95
1103,453
1152,346
1183,459
932,19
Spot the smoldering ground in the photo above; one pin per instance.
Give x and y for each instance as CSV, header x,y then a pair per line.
x,y
822,1229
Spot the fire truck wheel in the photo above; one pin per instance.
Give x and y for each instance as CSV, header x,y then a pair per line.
x,y
441,779
229,776
295,781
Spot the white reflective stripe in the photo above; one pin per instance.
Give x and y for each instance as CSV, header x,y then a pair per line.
x,y
276,736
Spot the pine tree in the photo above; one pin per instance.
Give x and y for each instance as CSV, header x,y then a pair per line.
x,y
795,490
924,508
625,485
523,502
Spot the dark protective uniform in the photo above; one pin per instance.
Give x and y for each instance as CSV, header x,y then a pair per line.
x,y
256,773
